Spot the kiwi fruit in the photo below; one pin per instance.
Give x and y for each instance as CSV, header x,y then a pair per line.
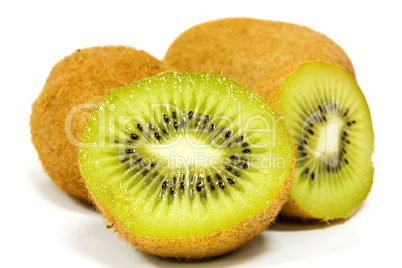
x,y
72,90
330,123
248,50
187,165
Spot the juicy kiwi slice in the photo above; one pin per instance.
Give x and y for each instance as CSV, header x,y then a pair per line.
x,y
72,90
187,165
330,123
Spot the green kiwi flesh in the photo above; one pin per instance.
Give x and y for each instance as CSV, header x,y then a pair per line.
x,y
330,123
178,155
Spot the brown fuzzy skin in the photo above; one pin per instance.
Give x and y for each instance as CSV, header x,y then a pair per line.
x,y
250,49
86,76
206,246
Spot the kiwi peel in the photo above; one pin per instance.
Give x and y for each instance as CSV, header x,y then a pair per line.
x,y
249,50
72,90
133,161
330,124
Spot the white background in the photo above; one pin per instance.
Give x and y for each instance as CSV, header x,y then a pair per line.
x,y
41,226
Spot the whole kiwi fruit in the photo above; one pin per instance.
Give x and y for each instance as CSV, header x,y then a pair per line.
x,y
72,90
248,50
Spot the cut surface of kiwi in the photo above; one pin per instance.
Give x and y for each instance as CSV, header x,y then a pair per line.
x,y
330,124
188,157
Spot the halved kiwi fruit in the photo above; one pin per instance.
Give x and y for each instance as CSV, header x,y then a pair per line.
x,y
73,89
248,50
187,165
330,123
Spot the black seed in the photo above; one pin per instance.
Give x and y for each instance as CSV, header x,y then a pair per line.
x,y
212,186
328,168
306,171
345,133
228,134
211,127
209,178
346,161
175,125
242,165
181,185
151,127
166,118
139,127
219,177
164,131
353,122
347,141
240,138
206,119
346,112
311,132
229,180
303,154
129,151
172,190
164,185
343,138
134,137
246,151
138,160
236,173
174,115
199,186
349,124
153,164
312,176
116,141
228,168
157,136
190,115
343,150
221,185
230,144
300,147
245,144
124,160
315,118
310,124
325,119
319,107
145,172
233,157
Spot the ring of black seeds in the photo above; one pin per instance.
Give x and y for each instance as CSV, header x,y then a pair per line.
x,y
200,185
344,142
